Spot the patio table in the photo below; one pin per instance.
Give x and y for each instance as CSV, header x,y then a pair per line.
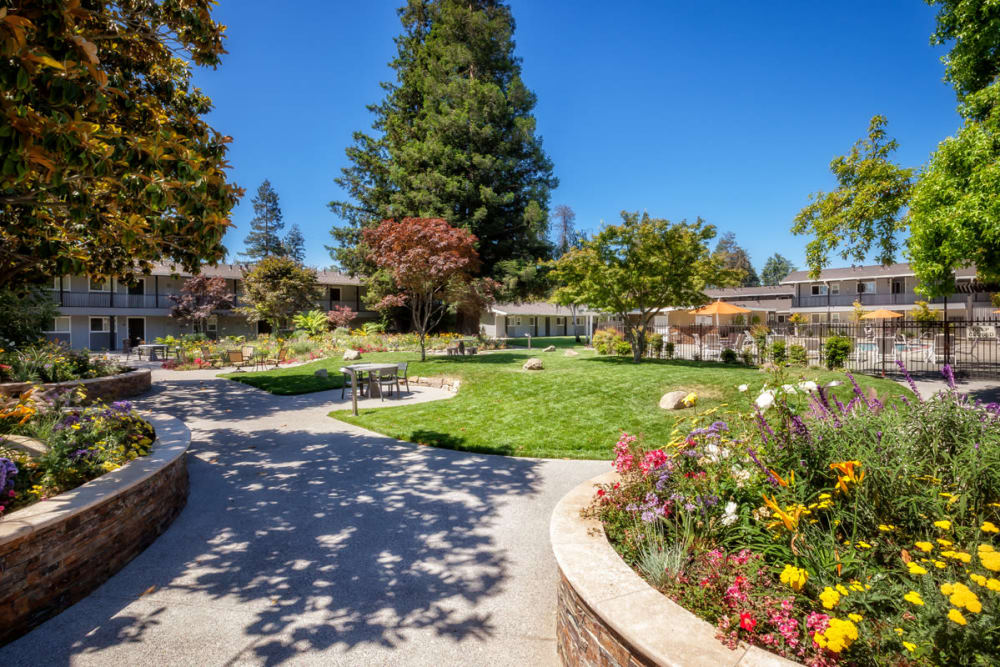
x,y
151,348
360,369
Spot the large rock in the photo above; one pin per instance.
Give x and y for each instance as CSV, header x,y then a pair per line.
x,y
351,355
533,364
550,348
321,373
673,400
571,353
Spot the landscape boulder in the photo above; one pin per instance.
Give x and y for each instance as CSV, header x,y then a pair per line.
x,y
351,355
533,364
550,348
571,353
673,400
321,373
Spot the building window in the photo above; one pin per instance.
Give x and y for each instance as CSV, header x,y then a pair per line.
x,y
835,288
834,317
99,324
559,321
57,325
897,286
866,287
819,290
99,285
517,321
56,284
335,294
781,319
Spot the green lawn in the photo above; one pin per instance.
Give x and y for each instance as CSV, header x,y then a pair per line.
x,y
575,408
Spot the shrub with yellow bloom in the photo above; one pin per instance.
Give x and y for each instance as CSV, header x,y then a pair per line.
x,y
794,577
839,635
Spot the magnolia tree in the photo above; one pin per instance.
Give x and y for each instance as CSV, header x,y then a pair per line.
x,y
641,266
431,265
108,163
276,288
199,297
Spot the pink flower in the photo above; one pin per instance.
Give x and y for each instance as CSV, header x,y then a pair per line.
x,y
747,622
653,460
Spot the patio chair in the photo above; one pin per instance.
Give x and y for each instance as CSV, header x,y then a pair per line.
x,y
351,380
401,374
281,357
206,356
386,379
236,358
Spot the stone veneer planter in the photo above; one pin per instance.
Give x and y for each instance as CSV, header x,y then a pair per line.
x,y
55,552
108,388
607,615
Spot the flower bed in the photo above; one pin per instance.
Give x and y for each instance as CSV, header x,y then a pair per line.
x,y
82,443
48,363
823,532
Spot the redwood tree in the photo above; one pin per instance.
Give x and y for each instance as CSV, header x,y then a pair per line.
x,y
431,265
199,297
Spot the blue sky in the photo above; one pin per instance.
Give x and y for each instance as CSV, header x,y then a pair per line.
x,y
729,110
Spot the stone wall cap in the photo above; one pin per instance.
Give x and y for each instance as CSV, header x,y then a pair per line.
x,y
70,384
172,440
652,624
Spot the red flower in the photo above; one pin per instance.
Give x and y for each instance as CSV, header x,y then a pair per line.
x,y
747,622
600,493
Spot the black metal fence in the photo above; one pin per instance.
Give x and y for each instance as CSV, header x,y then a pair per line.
x,y
971,347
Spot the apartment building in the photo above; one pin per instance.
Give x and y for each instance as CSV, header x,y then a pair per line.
x,y
101,314
831,297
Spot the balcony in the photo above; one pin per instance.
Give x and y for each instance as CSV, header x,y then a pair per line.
x,y
869,299
108,300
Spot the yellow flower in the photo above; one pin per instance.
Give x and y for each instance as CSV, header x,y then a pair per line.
x,y
794,577
945,543
863,545
943,524
829,598
978,578
886,528
909,646
915,569
940,564
857,618
690,400
956,615
899,631
841,589
913,597
960,596
925,546
993,584
989,558
989,527
856,586
957,555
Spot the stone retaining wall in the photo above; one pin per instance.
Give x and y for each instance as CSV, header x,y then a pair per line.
x,y
109,388
55,552
451,384
607,615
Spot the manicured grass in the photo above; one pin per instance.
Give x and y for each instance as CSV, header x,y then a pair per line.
x,y
542,343
575,408
294,380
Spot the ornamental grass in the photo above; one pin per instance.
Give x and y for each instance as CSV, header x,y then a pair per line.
x,y
827,532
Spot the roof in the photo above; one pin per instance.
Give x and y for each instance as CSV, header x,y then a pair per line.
x,y
899,270
236,271
538,308
775,291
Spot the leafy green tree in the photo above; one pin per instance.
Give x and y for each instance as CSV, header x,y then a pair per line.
x,y
641,266
776,269
26,313
106,161
736,257
972,29
263,239
294,245
275,289
864,212
453,138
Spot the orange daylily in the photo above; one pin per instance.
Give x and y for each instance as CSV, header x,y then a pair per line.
x,y
850,472
782,482
790,520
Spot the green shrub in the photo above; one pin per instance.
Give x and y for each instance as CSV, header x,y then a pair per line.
x,y
668,350
654,342
728,356
314,322
623,348
797,355
747,356
606,341
836,350
778,352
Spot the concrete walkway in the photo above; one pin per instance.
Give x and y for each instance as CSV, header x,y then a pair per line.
x,y
308,541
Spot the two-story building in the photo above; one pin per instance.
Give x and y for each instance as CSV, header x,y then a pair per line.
x,y
101,314
831,296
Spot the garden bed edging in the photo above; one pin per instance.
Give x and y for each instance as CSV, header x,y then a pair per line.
x,y
55,552
108,388
606,614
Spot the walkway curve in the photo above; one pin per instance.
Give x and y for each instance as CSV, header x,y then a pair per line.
x,y
309,541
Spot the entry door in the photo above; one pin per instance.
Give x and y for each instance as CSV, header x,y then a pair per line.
x,y
136,330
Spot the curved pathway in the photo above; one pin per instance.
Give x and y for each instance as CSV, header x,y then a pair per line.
x,y
309,541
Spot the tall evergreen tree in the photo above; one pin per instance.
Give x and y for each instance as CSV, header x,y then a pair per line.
x,y
735,256
263,239
294,245
453,138
564,234
776,268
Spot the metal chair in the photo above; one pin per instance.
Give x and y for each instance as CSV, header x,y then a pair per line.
x,y
351,380
386,379
401,375
236,358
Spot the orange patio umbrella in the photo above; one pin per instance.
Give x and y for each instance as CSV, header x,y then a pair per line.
x,y
720,307
880,314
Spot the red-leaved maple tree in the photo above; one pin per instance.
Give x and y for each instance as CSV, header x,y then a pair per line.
x,y
200,296
431,264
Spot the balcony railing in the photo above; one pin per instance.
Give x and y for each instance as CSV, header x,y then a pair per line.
x,y
869,299
108,300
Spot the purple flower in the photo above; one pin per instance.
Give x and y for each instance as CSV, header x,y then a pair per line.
x,y
949,375
909,380
648,517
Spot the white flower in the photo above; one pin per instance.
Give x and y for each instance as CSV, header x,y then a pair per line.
x,y
742,388
714,452
765,399
808,385
834,383
729,518
788,389
741,475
